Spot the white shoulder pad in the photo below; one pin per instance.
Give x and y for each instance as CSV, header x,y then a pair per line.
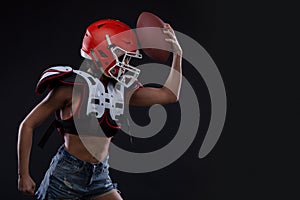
x,y
98,99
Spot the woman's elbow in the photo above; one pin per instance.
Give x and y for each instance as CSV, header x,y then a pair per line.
x,y
25,127
172,98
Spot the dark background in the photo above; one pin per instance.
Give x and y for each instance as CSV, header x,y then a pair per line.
x,y
248,161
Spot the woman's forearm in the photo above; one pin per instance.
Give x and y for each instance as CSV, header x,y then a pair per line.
x,y
24,148
174,79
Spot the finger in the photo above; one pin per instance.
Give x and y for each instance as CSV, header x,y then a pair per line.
x,y
170,30
168,27
171,40
169,33
32,189
29,193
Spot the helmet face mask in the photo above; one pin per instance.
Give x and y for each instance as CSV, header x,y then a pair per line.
x,y
111,45
122,71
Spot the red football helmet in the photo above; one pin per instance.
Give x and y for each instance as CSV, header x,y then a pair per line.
x,y
110,44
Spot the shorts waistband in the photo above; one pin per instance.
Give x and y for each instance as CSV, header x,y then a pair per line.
x,y
71,158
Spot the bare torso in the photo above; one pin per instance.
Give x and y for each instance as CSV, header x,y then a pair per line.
x,y
88,148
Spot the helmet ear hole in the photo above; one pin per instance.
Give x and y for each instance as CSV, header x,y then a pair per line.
x,y
113,70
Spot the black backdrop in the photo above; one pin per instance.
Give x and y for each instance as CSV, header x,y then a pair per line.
x,y
37,35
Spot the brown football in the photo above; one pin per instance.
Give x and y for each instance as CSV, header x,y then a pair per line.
x,y
152,37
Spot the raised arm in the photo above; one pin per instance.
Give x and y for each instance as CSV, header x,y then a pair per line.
x,y
56,99
170,91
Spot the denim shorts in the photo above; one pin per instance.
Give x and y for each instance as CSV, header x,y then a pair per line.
x,y
71,178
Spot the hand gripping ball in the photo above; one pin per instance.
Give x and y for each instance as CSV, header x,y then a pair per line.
x,y
152,37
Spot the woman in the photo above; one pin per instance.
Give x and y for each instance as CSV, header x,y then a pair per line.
x,y
78,170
